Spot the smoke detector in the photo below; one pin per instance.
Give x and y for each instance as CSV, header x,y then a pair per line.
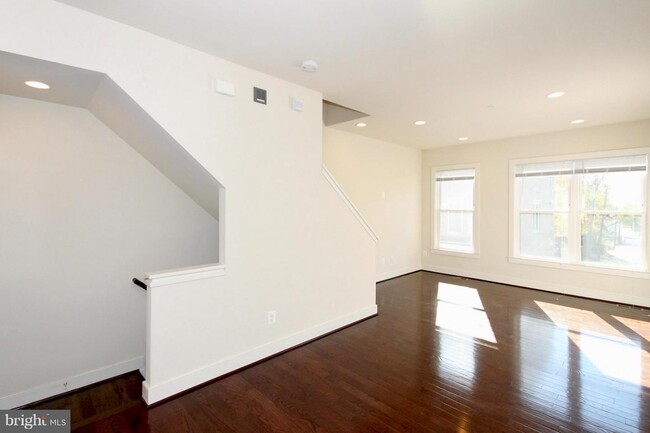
x,y
309,66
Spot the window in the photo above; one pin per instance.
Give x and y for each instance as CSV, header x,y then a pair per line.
x,y
588,211
454,213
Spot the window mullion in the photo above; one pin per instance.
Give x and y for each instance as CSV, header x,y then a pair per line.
x,y
574,230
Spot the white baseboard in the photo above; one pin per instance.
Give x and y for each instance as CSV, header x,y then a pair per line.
x,y
396,273
563,289
68,384
160,391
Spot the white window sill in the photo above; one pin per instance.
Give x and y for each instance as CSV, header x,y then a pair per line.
x,y
183,275
455,253
594,269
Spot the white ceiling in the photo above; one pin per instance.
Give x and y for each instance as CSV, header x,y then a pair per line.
x,y
443,61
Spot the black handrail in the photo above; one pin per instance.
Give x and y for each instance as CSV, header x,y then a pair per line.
x,y
139,283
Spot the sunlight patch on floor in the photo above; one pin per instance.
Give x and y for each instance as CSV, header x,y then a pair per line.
x,y
604,346
461,311
640,327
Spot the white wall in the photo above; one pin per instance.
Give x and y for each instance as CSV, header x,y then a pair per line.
x,y
384,182
494,159
82,213
291,245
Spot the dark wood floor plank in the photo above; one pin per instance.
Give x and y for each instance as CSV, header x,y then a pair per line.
x,y
445,354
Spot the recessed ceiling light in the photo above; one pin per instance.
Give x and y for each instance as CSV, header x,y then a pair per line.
x,y
463,139
555,95
577,121
361,125
420,122
37,85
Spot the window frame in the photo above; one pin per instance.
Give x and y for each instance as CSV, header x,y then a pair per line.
x,y
573,261
434,218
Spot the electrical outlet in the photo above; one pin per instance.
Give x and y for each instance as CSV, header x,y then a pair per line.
x,y
425,253
271,317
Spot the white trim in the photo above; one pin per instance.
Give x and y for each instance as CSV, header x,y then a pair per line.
x,y
455,253
147,366
339,190
513,222
396,273
183,275
476,212
641,301
590,268
160,391
71,383
585,155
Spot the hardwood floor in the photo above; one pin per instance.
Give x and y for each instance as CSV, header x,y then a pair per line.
x,y
444,355
100,401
